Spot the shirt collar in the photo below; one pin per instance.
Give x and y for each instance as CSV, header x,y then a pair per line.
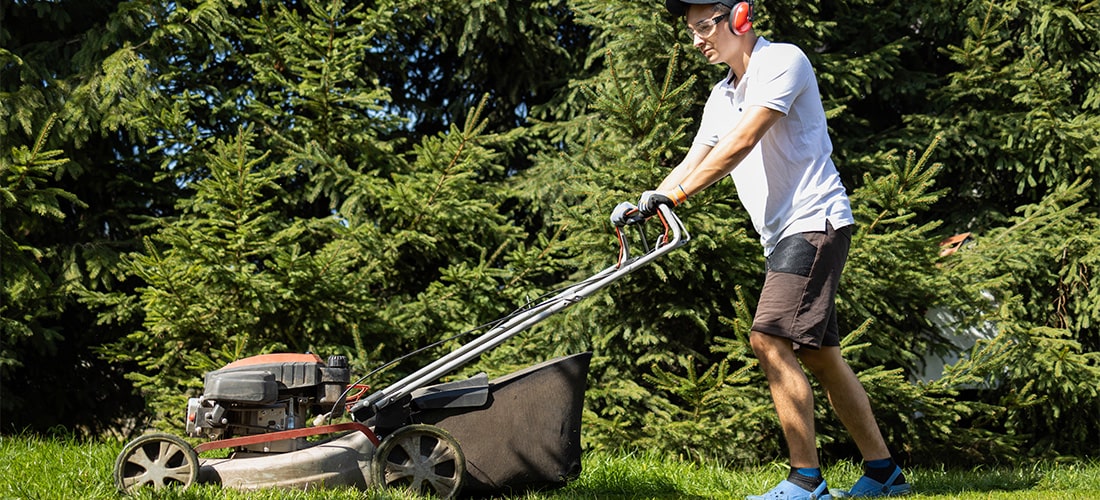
x,y
761,45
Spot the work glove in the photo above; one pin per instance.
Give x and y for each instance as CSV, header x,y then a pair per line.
x,y
625,214
650,200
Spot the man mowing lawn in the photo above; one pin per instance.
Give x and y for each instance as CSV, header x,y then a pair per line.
x,y
764,125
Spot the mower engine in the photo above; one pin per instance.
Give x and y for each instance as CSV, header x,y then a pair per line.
x,y
268,393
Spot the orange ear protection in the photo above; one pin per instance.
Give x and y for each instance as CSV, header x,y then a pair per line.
x,y
741,18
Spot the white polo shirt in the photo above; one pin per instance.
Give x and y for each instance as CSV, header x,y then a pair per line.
x,y
788,183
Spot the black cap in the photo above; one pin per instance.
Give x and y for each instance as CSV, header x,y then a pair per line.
x,y
679,7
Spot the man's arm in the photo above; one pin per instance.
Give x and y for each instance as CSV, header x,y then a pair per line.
x,y
694,157
705,165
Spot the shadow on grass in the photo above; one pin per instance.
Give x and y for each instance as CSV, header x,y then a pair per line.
x,y
627,484
975,481
654,491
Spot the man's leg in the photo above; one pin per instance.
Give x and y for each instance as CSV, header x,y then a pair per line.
x,y
794,403
881,475
796,306
792,395
848,398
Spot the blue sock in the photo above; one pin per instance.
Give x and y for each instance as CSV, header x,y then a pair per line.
x,y
879,464
812,472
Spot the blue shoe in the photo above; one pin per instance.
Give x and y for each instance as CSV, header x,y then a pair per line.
x,y
787,490
866,487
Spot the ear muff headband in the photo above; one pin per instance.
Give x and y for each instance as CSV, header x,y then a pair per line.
x,y
741,18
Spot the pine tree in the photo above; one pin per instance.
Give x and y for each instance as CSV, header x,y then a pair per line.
x,y
1037,276
232,277
56,62
30,298
1017,110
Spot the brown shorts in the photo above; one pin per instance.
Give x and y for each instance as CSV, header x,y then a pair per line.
x,y
798,301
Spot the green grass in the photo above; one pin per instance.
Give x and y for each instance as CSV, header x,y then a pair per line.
x,y
63,468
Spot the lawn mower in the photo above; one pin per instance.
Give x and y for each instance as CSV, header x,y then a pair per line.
x,y
297,421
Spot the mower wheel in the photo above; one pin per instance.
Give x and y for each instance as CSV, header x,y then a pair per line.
x,y
157,460
420,458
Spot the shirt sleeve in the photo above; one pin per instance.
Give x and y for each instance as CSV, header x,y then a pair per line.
x,y
710,124
778,83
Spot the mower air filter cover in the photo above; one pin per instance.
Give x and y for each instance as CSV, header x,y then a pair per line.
x,y
258,387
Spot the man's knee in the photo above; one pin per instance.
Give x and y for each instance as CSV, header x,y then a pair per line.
x,y
824,363
770,349
762,343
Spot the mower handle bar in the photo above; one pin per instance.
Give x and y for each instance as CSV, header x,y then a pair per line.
x,y
534,314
